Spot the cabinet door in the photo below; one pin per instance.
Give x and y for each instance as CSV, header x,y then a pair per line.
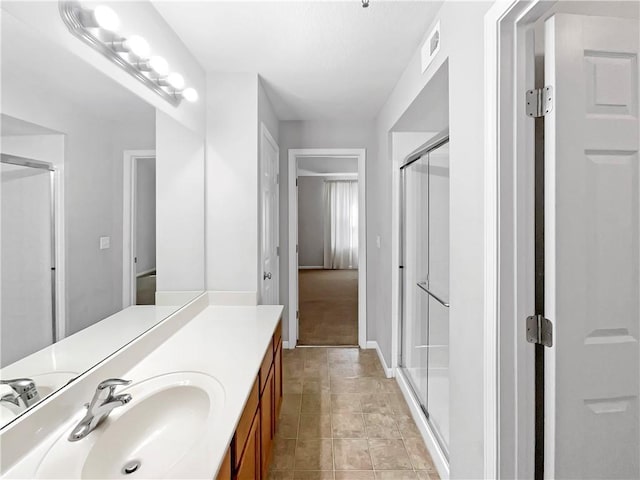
x,y
249,468
277,365
225,469
266,411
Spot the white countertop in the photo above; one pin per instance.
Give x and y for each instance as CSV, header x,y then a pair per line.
x,y
225,342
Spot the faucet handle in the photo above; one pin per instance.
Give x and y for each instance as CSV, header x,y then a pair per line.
x,y
112,383
20,385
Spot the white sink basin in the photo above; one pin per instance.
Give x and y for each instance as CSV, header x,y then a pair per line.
x,y
151,435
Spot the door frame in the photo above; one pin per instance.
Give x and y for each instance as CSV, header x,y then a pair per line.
x,y
129,158
265,135
509,237
293,156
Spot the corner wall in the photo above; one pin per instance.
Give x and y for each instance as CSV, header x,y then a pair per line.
x,y
462,34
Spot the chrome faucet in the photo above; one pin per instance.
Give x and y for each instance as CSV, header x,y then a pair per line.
x,y
100,407
25,390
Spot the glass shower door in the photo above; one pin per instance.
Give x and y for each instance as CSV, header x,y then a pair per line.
x,y
27,310
425,303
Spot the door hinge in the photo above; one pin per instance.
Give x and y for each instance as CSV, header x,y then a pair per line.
x,y
296,182
135,259
297,314
539,102
539,330
277,251
277,179
297,248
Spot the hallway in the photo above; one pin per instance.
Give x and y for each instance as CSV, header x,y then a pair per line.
x,y
342,419
328,307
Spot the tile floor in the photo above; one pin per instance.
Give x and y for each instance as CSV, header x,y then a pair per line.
x,y
341,419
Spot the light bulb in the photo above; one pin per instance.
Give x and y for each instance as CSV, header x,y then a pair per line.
x,y
138,46
190,94
106,18
159,65
176,80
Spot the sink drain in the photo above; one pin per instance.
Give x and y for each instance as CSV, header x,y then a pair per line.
x,y
131,467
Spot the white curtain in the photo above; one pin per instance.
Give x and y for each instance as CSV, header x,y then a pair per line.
x,y
341,224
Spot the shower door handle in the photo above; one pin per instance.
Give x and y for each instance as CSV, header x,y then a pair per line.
x,y
423,286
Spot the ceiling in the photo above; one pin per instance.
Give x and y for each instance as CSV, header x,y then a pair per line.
x,y
29,58
312,166
319,60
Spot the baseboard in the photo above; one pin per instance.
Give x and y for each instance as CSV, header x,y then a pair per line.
x,y
300,267
372,344
247,299
438,456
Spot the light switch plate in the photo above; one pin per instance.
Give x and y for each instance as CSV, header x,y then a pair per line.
x,y
105,242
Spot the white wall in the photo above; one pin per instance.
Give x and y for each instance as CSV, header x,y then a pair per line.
x,y
145,214
462,43
232,182
311,221
180,230
325,134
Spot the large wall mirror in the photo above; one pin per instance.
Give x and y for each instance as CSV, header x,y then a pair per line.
x,y
93,183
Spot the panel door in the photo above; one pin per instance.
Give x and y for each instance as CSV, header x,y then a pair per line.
x,y
592,288
269,195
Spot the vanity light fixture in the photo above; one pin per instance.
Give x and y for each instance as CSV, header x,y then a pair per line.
x,y
98,28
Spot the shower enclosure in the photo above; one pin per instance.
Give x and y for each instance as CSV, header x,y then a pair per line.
x,y
27,217
424,336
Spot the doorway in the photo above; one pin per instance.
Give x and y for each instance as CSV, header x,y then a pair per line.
x,y
139,249
565,235
327,247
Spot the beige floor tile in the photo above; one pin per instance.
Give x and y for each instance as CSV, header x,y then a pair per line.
x,y
373,403
426,475
345,403
314,426
315,385
291,404
381,425
316,403
280,475
292,386
283,454
389,454
348,425
311,475
396,475
288,426
314,454
407,426
418,453
355,475
352,454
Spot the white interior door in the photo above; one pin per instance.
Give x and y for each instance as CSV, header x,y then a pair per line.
x,y
592,260
269,195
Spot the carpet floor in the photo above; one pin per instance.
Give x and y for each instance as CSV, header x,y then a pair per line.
x,y
328,307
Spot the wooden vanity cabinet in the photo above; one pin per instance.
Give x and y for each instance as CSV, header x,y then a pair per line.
x,y
250,465
250,450
225,469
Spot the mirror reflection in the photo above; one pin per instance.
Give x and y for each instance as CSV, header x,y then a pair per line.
x,y
78,219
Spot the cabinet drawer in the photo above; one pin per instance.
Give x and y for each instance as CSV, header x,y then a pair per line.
x,y
244,426
264,369
249,465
